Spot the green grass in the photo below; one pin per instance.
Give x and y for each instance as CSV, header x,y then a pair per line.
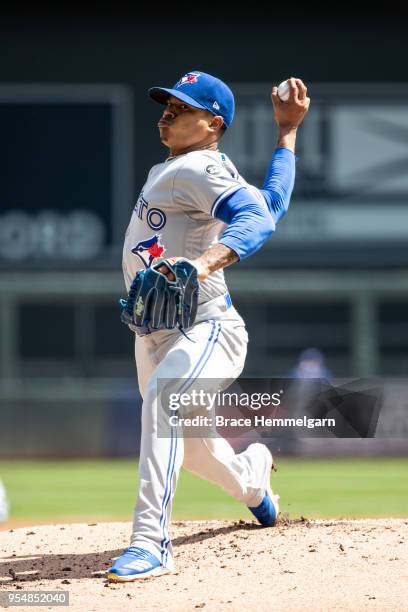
x,y
106,490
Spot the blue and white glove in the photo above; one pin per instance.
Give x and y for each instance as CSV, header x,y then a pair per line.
x,y
154,302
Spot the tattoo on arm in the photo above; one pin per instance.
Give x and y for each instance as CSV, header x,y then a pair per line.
x,y
217,257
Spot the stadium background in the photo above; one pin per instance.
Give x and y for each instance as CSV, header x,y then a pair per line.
x,y
79,135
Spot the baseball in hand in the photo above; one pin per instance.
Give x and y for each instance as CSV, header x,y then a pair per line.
x,y
283,91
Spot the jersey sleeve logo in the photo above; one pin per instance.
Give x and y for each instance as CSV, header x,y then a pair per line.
x,y
147,250
213,170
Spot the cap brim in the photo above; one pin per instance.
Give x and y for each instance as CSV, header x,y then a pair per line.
x,y
161,94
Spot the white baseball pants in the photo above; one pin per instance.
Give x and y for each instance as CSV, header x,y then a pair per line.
x,y
219,351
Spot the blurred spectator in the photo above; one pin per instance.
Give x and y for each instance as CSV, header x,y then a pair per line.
x,y
301,395
4,507
310,364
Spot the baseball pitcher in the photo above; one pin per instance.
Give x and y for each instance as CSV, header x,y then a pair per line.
x,y
195,215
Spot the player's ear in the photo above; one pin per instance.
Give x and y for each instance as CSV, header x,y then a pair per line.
x,y
216,123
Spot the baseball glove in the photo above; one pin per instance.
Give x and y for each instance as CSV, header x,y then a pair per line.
x,y
155,303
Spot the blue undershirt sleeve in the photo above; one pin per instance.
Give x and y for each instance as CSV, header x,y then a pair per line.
x,y
249,223
279,181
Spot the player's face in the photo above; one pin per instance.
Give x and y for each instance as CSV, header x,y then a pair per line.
x,y
183,127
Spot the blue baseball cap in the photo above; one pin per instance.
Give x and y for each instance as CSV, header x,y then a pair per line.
x,y
200,90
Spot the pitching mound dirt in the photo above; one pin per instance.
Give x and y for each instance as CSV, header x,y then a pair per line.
x,y
298,565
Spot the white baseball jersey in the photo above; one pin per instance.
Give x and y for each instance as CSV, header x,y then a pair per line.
x,y
175,214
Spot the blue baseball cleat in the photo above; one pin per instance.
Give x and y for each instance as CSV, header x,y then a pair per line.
x,y
135,563
267,511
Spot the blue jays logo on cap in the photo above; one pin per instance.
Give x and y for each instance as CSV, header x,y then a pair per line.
x,y
200,90
190,77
